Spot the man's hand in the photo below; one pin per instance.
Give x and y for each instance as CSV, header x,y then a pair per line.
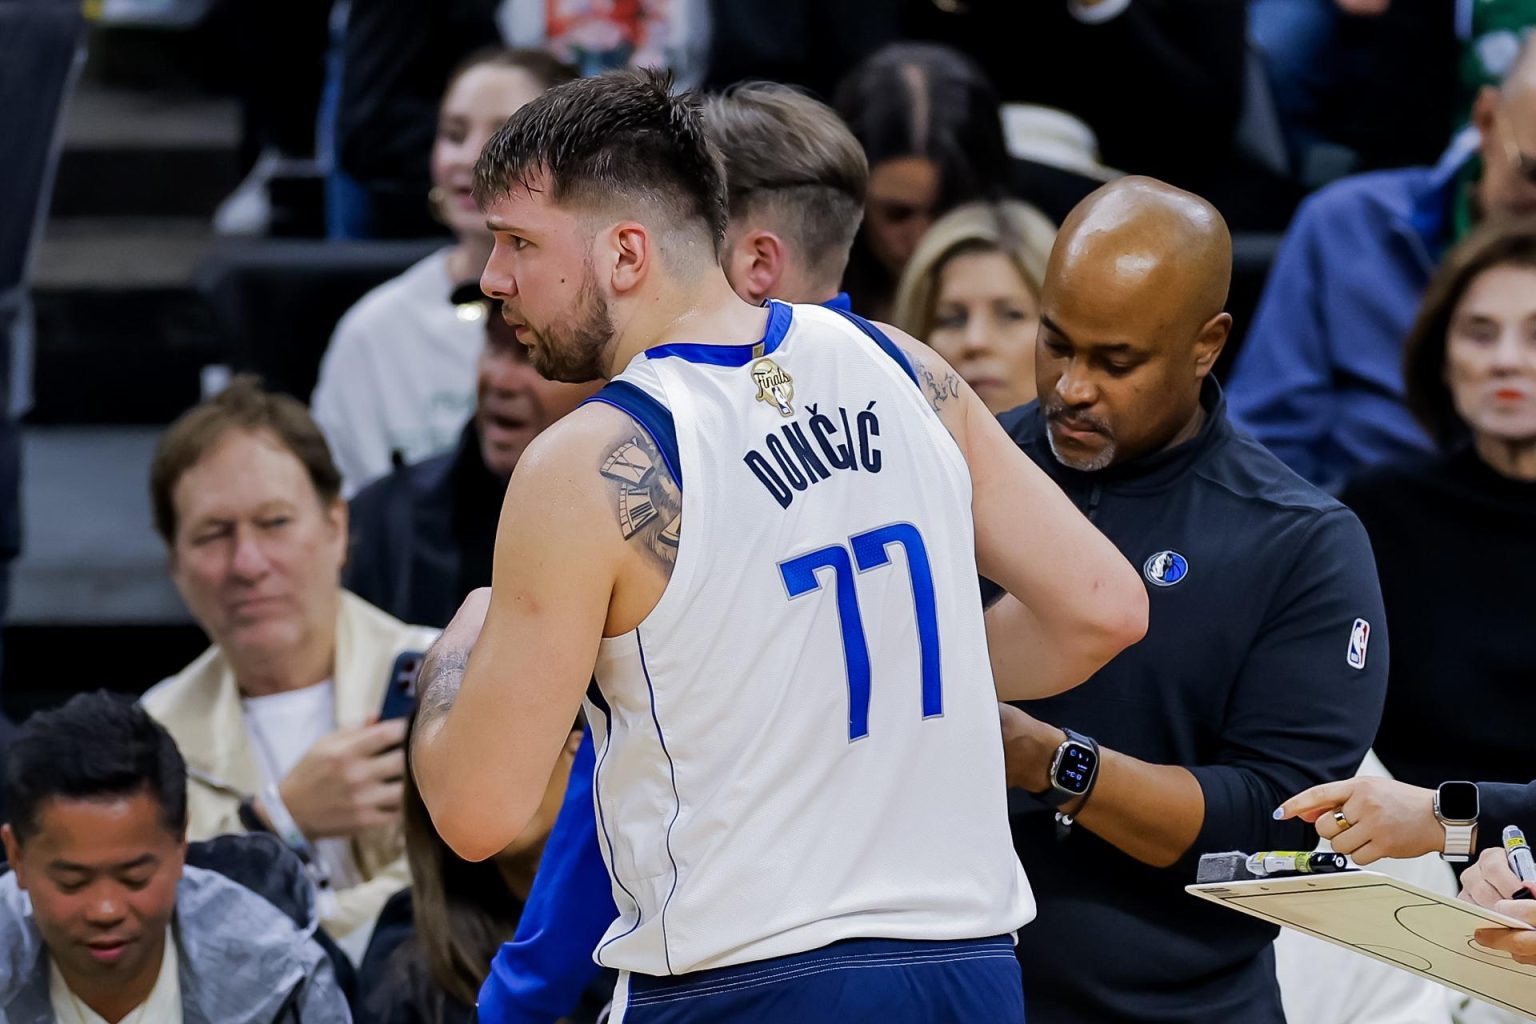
x,y
1490,880
348,781
1517,942
1381,817
1028,746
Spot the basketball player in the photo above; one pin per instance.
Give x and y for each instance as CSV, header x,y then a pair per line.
x,y
759,539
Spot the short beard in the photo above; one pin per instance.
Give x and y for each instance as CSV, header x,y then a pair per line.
x,y
1102,460
1093,465
577,352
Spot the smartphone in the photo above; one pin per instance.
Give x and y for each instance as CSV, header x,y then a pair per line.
x,y
400,697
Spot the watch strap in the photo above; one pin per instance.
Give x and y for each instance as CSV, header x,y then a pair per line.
x,y
1460,842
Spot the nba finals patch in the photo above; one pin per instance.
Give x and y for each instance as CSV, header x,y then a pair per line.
x,y
1359,638
1165,568
774,386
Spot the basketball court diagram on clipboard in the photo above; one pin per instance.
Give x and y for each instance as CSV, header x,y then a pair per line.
x,y
1392,921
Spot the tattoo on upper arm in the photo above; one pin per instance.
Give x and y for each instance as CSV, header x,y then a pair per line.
x,y
938,390
647,500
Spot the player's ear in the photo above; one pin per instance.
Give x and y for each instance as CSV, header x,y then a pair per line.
x,y
633,253
766,270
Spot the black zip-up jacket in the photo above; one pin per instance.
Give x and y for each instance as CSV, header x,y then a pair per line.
x,y
1254,674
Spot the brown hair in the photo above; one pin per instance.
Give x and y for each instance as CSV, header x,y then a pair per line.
x,y
462,911
540,65
244,405
1500,242
1017,230
790,156
622,135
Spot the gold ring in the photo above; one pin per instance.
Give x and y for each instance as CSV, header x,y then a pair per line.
x,y
1340,820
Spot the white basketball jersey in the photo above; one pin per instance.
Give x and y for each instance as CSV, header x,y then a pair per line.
x,y
800,744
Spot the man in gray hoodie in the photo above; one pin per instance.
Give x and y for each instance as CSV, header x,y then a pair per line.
x,y
102,919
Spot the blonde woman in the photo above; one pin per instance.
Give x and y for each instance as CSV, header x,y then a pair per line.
x,y
972,291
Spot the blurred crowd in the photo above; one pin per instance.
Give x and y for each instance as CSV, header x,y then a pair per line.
x,y
245,842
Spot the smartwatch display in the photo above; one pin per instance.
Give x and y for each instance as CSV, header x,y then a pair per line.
x,y
1074,767
1456,808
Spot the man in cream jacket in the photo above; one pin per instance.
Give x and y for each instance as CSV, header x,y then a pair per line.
x,y
279,721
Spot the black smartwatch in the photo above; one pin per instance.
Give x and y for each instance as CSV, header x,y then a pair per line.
x,y
1456,808
1074,769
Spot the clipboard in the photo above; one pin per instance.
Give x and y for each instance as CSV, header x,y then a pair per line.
x,y
1393,921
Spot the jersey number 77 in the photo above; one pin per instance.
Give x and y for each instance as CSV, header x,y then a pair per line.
x,y
871,550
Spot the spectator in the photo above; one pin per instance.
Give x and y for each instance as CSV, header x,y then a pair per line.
x,y
101,920
422,536
1319,380
277,718
1455,533
928,121
1259,584
397,380
972,291
435,940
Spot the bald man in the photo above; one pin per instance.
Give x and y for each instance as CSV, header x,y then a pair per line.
x,y
1265,662
1319,379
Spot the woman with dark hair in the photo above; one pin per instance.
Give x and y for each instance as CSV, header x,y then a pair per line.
x,y
1455,534
929,123
433,944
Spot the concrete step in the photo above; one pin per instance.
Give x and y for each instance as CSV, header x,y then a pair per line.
x,y
90,555
122,332
145,154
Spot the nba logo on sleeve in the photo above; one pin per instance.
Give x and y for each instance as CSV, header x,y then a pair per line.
x,y
1359,637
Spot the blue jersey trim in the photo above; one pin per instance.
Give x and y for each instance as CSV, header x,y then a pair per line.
x,y
878,337
602,819
779,317
595,695
655,418
677,805
840,302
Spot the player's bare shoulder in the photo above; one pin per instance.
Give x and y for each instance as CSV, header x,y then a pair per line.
x,y
617,478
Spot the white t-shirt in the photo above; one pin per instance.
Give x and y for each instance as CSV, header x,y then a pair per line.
x,y
399,374
282,728
163,1004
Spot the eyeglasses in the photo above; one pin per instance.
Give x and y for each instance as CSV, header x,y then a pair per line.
x,y
1523,165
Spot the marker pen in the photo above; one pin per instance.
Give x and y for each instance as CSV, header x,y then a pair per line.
x,y
1520,860
1272,862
